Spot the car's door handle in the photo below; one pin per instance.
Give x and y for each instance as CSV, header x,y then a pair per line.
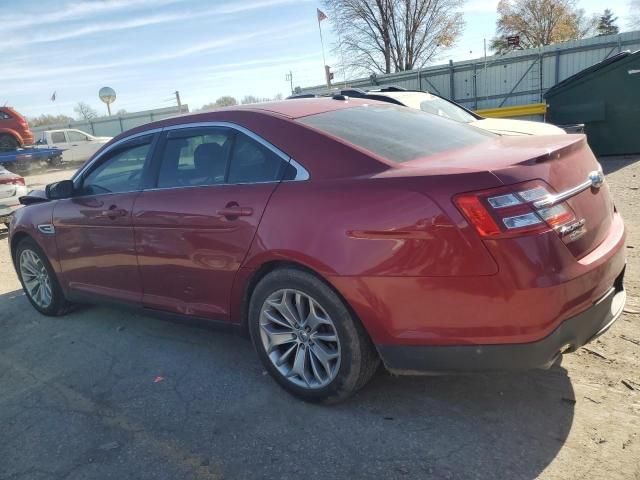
x,y
74,144
114,212
235,211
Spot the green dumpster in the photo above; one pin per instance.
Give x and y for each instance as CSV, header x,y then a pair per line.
x,y
606,99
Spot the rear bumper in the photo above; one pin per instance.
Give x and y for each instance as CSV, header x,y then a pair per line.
x,y
568,337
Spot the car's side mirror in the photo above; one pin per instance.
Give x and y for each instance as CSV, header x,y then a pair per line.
x,y
58,190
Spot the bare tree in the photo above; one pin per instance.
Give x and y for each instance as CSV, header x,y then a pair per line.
x,y
384,36
85,111
541,22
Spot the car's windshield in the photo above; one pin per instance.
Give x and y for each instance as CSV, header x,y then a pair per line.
x,y
396,133
441,107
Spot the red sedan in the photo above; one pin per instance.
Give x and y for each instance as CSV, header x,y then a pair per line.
x,y
339,233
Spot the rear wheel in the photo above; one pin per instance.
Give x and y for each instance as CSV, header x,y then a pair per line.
x,y
307,338
38,279
8,143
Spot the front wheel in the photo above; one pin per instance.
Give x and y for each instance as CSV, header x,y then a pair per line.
x,y
307,338
38,279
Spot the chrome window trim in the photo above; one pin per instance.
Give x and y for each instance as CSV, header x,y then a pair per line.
x,y
301,173
90,164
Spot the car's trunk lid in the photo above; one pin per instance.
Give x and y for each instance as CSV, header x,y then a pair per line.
x,y
566,164
562,161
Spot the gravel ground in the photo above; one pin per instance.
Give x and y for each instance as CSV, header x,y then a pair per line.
x,y
109,394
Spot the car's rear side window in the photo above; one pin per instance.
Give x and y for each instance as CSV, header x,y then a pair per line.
x,y
253,163
399,134
195,157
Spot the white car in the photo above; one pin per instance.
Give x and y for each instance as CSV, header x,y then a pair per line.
x,y
78,146
428,102
12,187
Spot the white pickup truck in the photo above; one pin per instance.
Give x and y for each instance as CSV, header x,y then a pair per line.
x,y
78,146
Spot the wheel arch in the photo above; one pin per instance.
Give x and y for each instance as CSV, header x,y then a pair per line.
x,y
12,133
15,240
272,265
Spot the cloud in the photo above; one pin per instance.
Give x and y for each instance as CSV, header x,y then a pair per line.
x,y
208,46
74,11
115,25
71,32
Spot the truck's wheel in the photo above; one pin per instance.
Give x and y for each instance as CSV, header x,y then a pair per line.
x,y
8,143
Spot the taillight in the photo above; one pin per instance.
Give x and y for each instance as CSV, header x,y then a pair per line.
x,y
12,181
509,211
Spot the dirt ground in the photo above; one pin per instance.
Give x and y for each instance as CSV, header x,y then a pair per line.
x,y
108,394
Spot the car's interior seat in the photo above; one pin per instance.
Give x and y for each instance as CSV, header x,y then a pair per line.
x,y
209,161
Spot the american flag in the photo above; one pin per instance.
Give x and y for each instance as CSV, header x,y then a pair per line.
x,y
321,15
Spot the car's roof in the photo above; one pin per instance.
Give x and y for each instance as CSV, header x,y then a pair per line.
x,y
287,109
301,107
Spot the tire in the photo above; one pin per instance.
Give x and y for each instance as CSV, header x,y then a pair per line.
x,y
332,370
8,143
30,259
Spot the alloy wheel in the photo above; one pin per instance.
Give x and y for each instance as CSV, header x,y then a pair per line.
x,y
36,278
300,338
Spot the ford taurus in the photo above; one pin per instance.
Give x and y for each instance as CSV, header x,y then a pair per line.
x,y
339,233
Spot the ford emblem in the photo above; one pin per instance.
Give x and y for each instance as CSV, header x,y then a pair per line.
x,y
597,178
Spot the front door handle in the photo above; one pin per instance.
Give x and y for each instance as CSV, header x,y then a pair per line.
x,y
114,212
235,211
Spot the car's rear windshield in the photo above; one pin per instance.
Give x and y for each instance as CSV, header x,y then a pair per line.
x,y
396,133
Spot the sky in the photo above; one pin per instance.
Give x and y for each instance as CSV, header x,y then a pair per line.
x,y
147,49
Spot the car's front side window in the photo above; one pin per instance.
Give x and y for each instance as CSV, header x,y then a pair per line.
x,y
121,173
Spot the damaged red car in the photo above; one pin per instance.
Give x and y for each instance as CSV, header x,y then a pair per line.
x,y
340,234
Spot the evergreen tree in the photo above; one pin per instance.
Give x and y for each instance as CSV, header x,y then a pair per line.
x,y
607,24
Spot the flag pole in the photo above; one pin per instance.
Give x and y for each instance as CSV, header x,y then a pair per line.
x,y
324,60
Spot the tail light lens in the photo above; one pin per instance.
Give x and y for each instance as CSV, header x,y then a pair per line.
x,y
509,211
12,181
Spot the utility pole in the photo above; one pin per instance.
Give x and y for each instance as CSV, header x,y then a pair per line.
x,y
178,100
289,78
484,79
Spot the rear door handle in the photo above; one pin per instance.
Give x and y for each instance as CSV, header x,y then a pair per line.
x,y
114,212
235,211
